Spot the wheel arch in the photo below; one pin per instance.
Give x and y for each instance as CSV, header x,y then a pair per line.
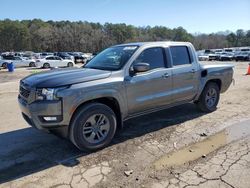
x,y
46,63
4,63
217,81
203,85
31,62
111,102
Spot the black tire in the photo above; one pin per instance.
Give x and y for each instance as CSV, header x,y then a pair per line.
x,y
46,65
4,65
204,103
70,64
32,64
81,119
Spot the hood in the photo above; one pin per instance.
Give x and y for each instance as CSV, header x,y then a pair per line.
x,y
62,77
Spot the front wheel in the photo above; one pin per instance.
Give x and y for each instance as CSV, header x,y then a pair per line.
x,y
93,127
209,98
46,65
4,65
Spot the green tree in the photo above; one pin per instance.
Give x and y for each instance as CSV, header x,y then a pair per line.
x,y
14,36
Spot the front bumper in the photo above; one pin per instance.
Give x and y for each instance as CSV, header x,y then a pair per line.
x,y
35,112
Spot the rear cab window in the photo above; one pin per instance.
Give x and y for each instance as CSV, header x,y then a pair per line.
x,y
180,55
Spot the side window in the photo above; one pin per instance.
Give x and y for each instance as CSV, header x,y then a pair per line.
x,y
49,58
180,55
17,58
9,57
57,58
153,56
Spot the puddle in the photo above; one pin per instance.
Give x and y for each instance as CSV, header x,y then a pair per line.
x,y
210,144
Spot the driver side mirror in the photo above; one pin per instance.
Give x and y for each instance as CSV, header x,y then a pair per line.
x,y
141,67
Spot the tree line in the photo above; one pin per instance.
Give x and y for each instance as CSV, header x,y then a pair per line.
x,y
37,35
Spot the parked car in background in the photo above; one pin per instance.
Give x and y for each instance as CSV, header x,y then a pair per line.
x,y
64,55
231,50
218,50
245,49
212,56
78,57
54,61
203,57
226,56
88,56
242,56
44,54
17,61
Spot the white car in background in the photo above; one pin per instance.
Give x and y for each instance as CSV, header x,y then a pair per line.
x,y
203,57
54,61
17,61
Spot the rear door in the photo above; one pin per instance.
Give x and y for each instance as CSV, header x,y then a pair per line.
x,y
18,62
150,89
185,73
59,62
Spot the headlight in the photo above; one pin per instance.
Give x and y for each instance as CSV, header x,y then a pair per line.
x,y
48,93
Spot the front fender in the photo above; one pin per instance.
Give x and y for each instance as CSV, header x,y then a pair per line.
x,y
79,94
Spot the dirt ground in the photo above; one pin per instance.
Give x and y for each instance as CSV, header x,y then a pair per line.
x,y
178,147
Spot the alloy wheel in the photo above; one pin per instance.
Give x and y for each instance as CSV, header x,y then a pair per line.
x,y
96,128
211,97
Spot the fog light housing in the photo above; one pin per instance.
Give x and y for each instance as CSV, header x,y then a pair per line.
x,y
51,118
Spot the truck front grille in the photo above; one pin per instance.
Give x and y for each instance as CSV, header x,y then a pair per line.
x,y
24,92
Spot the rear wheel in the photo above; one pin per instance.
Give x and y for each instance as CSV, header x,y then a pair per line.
x,y
209,97
32,64
93,127
46,65
70,64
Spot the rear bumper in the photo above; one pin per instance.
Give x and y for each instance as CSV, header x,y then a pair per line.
x,y
35,113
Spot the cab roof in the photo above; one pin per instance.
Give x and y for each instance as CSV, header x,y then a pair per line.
x,y
168,43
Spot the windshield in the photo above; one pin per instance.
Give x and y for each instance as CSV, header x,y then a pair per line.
x,y
113,58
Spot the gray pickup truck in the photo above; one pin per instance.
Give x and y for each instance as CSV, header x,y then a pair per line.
x,y
88,104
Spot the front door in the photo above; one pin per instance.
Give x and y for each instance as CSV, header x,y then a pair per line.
x,y
150,89
58,62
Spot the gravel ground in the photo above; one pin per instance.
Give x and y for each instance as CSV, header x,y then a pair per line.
x,y
140,155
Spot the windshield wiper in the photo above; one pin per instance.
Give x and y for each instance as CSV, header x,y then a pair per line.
x,y
98,68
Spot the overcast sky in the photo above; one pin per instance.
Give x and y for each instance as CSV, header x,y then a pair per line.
x,y
203,16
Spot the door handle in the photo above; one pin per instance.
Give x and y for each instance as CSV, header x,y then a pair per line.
x,y
192,71
166,75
